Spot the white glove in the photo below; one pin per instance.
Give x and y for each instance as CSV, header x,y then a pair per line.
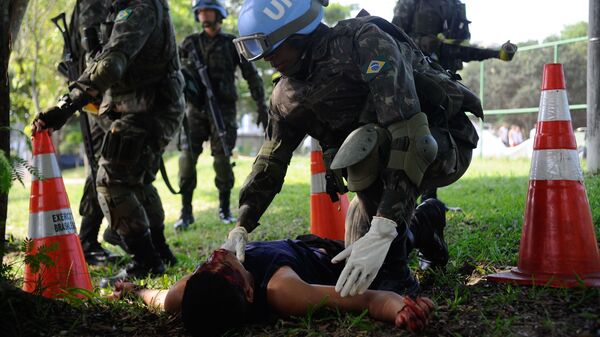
x,y
366,256
236,242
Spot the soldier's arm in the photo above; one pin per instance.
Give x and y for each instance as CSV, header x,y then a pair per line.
x,y
131,30
268,171
250,74
387,68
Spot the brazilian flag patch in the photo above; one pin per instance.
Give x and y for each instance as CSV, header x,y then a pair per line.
x,y
376,66
123,15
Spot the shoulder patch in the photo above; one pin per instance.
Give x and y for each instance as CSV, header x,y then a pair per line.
x,y
375,66
123,15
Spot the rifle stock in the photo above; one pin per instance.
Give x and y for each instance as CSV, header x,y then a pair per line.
x,y
69,67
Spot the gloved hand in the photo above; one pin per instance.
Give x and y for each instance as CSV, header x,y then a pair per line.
x,y
366,256
263,115
236,242
507,51
53,118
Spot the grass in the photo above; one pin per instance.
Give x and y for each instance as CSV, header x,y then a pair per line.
x,y
482,239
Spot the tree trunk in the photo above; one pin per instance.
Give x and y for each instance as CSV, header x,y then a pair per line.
x,y
11,15
593,96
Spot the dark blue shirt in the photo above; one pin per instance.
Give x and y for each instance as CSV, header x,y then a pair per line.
x,y
263,259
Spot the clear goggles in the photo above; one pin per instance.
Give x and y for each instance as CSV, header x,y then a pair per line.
x,y
253,47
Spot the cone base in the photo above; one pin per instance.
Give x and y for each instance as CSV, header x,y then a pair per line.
x,y
516,276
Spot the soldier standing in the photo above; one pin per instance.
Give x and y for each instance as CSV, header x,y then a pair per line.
x,y
441,30
353,88
218,53
138,77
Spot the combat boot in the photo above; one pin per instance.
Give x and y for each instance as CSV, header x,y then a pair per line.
x,y
160,243
427,227
92,250
224,210
112,237
186,218
146,261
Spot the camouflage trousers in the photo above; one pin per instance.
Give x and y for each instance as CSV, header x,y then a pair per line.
x,y
129,161
201,129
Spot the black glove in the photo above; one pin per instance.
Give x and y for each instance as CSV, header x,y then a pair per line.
x,y
54,117
263,115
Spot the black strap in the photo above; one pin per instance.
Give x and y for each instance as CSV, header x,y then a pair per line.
x,y
163,169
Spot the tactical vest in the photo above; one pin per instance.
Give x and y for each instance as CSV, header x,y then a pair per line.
x,y
157,58
217,53
448,17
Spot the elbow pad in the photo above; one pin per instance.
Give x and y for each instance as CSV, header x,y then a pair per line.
x,y
108,70
413,147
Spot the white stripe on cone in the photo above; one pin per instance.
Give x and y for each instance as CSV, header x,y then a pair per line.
x,y
555,165
314,145
47,165
554,106
317,183
51,223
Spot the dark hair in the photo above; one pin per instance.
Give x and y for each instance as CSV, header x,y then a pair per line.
x,y
213,304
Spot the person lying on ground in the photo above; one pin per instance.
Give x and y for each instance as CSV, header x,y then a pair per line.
x,y
277,278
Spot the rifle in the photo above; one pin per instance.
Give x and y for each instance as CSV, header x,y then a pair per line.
x,y
69,67
213,106
453,55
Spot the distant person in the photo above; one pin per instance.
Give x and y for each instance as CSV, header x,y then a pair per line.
x,y
515,136
218,54
278,278
441,30
503,134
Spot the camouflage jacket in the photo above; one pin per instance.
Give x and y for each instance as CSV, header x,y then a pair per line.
x,y
221,58
356,74
144,35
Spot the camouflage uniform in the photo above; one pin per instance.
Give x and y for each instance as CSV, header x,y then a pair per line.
x,y
138,73
335,93
221,59
424,20
89,14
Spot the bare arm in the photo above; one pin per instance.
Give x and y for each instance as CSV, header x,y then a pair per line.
x,y
168,300
288,294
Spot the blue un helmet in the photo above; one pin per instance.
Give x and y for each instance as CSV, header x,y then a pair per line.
x,y
265,24
208,4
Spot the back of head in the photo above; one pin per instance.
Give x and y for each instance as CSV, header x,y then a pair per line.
x,y
212,304
270,22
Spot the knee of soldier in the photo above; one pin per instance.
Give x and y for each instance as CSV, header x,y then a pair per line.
x,y
123,210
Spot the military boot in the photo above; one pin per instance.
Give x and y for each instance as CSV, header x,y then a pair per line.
x,y
160,243
224,210
92,250
186,218
112,237
146,261
427,227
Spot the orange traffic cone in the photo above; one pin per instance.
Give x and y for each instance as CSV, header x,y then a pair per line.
x,y
326,217
558,243
52,229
